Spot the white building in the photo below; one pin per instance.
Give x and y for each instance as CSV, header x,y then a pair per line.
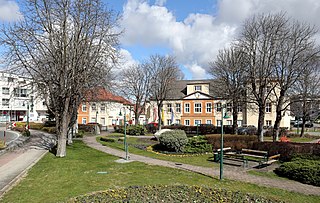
x,y
18,99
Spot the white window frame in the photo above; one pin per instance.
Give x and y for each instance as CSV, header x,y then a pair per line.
x,y
209,107
219,107
209,121
178,121
268,122
239,122
178,108
229,122
93,119
84,108
197,108
187,122
197,122
239,108
169,107
218,122
5,90
229,107
169,121
268,107
84,120
94,106
103,107
197,88
187,107
5,102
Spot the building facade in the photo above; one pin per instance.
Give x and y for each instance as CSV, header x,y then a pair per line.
x,y
19,100
192,102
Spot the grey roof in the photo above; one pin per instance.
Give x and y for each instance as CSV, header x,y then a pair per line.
x,y
179,88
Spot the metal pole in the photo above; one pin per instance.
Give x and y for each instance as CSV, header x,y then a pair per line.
x,y
27,117
221,145
96,121
125,135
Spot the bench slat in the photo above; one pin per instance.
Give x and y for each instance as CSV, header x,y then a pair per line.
x,y
274,156
255,156
254,151
224,149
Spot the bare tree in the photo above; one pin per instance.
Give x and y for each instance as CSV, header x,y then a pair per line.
x,y
164,72
258,39
306,91
135,85
228,70
66,47
296,53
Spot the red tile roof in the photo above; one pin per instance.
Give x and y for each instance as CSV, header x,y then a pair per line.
x,y
101,94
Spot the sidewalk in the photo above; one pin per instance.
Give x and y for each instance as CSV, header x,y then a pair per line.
x,y
15,164
232,173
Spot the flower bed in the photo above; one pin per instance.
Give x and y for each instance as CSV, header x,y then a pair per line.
x,y
164,193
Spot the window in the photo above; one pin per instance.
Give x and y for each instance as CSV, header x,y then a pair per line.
x,y
187,108
219,107
229,122
93,107
168,121
208,121
5,90
103,121
178,121
208,107
197,88
93,119
268,107
229,107
5,102
20,92
239,122
84,107
10,79
239,108
197,122
103,107
169,108
187,122
84,120
197,107
268,122
218,122
178,108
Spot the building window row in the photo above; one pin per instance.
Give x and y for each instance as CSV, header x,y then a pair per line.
x,y
177,108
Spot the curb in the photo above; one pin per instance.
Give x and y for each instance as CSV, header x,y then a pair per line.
x,y
17,179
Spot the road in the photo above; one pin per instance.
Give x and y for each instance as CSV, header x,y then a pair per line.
x,y
10,135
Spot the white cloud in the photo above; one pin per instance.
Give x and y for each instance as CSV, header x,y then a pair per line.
x,y
196,40
126,59
9,11
160,2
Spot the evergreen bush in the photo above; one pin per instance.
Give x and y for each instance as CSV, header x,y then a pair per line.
x,y
198,144
174,141
302,170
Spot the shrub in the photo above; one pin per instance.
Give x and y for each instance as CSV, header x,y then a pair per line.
x,y
107,139
49,124
36,126
50,129
236,142
174,140
80,134
22,130
170,193
198,144
2,144
26,133
88,127
302,170
131,130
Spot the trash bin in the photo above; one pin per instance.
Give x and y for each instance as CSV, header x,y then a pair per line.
x,y
216,157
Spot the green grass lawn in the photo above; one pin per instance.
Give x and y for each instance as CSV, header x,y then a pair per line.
x,y
205,160
58,179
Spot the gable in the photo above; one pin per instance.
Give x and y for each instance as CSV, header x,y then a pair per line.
x,y
197,95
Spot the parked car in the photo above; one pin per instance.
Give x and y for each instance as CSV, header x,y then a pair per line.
x,y
308,124
247,130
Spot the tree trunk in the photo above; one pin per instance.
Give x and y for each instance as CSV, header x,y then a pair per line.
x,y
62,129
260,122
275,133
159,116
303,126
235,118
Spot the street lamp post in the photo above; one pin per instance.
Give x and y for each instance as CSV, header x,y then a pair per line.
x,y
221,141
125,132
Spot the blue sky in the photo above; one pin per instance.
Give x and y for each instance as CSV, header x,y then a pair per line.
x,y
191,30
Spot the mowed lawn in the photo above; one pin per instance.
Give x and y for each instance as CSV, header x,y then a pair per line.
x,y
58,179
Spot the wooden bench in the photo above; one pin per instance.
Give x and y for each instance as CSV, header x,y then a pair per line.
x,y
260,156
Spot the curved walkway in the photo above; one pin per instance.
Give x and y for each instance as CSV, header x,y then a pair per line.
x,y
229,173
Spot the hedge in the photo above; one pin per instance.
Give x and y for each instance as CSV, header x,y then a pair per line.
x,y
50,129
236,142
88,127
171,193
302,170
201,130
131,129
288,149
198,144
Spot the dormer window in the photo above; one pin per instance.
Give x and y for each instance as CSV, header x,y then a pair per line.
x,y
197,88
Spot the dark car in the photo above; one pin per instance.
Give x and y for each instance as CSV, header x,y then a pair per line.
x,y
308,124
247,130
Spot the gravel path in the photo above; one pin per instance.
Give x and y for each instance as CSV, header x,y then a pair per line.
x,y
230,172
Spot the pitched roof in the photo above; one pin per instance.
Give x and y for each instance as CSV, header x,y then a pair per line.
x,y
179,88
101,94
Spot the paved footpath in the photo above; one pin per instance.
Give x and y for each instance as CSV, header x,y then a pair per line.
x,y
232,173
15,164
